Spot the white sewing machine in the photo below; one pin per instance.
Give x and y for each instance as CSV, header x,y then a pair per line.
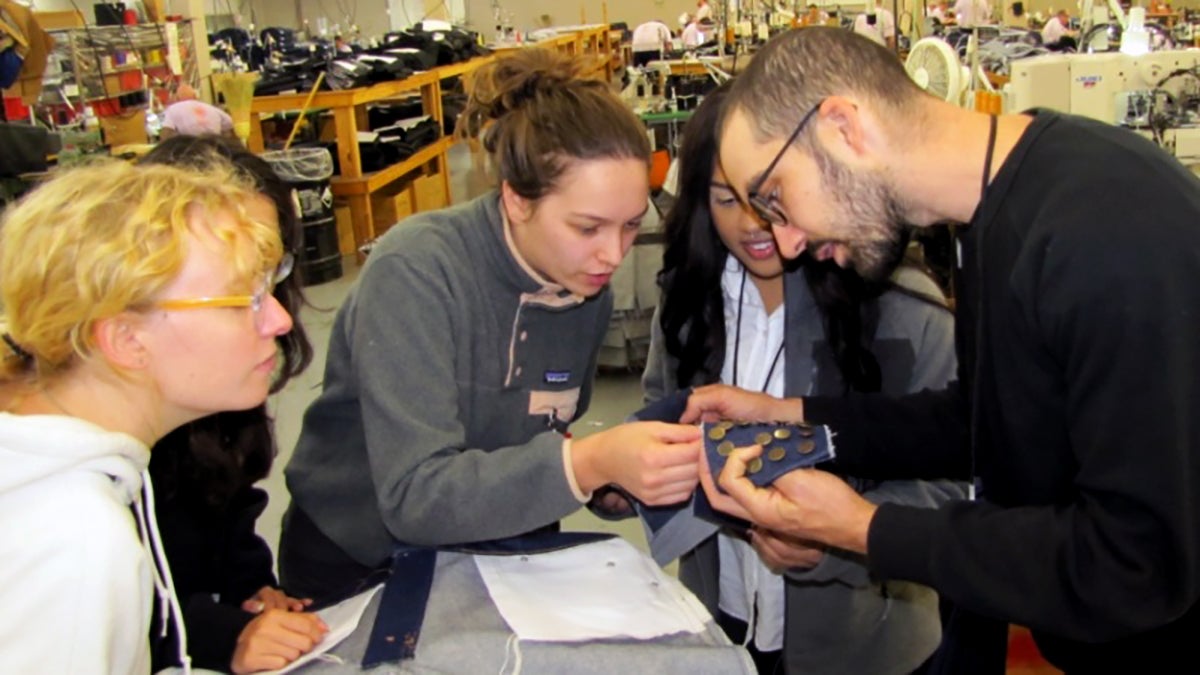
x,y
1141,92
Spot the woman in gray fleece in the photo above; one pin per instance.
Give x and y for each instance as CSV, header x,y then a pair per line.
x,y
469,345
731,313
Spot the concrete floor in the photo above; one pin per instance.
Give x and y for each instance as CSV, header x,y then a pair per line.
x,y
615,396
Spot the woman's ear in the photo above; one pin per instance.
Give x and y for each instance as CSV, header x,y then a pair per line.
x,y
119,340
518,208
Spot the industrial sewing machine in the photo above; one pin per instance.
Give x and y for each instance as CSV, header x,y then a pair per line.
x,y
1157,94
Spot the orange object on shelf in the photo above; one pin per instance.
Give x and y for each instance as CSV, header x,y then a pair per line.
x,y
660,163
989,102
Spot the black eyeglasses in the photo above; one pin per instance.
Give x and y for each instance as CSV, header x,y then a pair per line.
x,y
766,206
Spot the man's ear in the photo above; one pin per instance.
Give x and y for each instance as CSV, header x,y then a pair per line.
x,y
119,340
518,208
844,131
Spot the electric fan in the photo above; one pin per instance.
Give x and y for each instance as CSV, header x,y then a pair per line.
x,y
934,66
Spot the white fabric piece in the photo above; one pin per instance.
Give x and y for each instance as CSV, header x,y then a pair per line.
x,y
606,589
671,182
342,619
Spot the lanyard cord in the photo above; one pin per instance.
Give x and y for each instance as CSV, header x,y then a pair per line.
x,y
737,339
979,332
987,160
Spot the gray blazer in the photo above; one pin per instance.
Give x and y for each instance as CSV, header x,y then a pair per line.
x,y
838,619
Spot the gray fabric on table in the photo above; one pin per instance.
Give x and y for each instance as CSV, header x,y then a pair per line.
x,y
464,633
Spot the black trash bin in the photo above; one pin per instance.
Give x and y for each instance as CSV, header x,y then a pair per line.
x,y
308,171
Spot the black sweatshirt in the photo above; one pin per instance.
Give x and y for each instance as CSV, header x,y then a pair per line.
x,y
1078,337
217,559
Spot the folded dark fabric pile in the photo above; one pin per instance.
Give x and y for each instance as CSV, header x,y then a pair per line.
x,y
292,66
289,66
287,80
385,67
389,145
442,47
25,148
382,115
348,74
414,58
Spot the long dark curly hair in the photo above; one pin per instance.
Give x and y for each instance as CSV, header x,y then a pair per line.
x,y
209,460
692,315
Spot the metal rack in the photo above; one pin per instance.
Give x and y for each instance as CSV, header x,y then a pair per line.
x,y
109,61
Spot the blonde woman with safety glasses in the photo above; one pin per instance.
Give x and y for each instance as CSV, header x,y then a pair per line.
x,y
136,299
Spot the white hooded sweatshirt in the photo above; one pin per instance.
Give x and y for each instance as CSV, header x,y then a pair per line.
x,y
80,559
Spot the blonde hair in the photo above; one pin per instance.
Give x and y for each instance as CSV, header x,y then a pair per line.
x,y
105,238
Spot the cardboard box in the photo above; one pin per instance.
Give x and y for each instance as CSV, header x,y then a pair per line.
x,y
326,128
61,20
429,193
27,90
125,129
345,227
390,206
124,82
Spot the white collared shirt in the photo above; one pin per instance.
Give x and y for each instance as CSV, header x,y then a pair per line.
x,y
748,590
883,28
651,36
970,13
1053,31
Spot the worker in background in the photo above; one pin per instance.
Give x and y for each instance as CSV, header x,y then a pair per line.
x,y
969,13
936,10
1016,17
1057,34
189,116
878,24
703,11
650,40
697,33
814,16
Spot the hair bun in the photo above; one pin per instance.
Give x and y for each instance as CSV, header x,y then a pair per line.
x,y
514,81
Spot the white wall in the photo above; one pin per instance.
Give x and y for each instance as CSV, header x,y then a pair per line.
x,y
373,17
525,13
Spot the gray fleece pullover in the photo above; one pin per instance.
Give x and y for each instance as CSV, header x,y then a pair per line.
x,y
445,364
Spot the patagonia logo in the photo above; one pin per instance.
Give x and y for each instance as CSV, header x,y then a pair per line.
x,y
556,376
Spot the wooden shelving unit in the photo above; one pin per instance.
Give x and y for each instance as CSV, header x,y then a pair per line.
x,y
349,108
591,43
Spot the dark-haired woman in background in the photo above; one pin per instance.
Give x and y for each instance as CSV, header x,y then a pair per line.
x,y
470,343
204,474
731,313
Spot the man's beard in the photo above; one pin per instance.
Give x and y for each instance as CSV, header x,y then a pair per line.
x,y
869,217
